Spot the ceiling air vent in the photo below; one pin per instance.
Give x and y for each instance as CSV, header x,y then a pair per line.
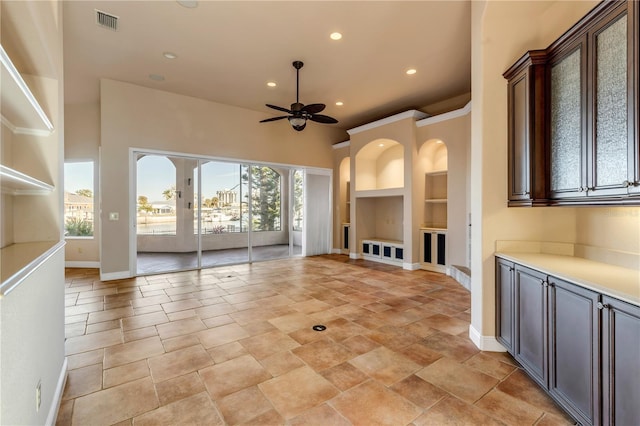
x,y
106,21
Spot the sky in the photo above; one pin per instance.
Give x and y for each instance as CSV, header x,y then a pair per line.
x,y
78,176
156,173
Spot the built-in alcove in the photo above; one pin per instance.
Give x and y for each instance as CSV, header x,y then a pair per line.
x,y
433,158
380,165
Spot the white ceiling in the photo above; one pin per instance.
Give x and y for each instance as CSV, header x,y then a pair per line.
x,y
228,50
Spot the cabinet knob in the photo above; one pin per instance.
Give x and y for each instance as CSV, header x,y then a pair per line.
x,y
602,305
626,184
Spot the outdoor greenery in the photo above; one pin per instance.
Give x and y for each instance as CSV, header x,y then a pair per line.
x,y
76,227
265,197
85,193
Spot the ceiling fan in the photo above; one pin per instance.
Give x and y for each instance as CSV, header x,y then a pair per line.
x,y
300,113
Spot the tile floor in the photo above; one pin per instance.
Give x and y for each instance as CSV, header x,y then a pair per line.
x,y
235,345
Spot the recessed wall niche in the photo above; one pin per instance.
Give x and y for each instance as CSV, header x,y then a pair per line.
x,y
434,161
380,165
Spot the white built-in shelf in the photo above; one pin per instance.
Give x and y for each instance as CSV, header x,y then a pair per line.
x,y
437,173
436,200
17,261
372,193
20,111
15,183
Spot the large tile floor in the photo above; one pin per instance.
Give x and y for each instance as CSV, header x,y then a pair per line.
x,y
235,345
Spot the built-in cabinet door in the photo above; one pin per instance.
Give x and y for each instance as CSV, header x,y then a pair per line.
x,y
530,345
621,362
567,122
504,303
574,355
612,107
526,131
433,249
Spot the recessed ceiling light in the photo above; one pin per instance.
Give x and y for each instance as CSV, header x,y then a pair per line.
x,y
411,71
156,77
335,36
169,55
188,3
380,144
339,103
271,84
439,142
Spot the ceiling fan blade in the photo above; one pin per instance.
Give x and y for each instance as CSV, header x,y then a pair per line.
x,y
313,108
273,119
279,108
319,118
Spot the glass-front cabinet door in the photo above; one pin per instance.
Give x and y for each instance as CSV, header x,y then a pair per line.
x,y
568,153
612,138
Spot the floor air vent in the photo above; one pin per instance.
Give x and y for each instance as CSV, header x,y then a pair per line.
x,y
106,21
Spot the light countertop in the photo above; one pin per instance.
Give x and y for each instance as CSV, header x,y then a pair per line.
x,y
615,281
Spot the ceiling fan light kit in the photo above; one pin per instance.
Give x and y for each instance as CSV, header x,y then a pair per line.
x,y
300,113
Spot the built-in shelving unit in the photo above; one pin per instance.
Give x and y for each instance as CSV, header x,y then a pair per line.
x,y
24,117
20,110
436,197
15,183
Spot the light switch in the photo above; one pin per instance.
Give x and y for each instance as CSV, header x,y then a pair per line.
x,y
114,216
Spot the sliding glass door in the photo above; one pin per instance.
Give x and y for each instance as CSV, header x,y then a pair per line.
x,y
199,213
222,213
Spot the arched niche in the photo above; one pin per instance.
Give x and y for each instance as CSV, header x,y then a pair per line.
x,y
380,165
434,156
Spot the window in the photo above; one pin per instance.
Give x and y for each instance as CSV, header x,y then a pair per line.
x,y
78,199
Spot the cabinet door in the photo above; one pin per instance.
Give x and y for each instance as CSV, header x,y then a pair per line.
x,y
504,303
574,354
611,169
530,333
427,255
526,132
567,122
345,237
621,362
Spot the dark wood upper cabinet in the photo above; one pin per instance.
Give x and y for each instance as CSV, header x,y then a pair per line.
x,y
573,114
526,103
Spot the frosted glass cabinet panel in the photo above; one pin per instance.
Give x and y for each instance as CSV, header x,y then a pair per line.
x,y
611,105
567,148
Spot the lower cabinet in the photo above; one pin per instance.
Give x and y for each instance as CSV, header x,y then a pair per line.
x,y
384,251
621,362
504,296
530,329
574,352
581,346
345,237
433,249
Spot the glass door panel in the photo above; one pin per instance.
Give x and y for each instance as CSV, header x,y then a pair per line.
x,y
164,232
224,239
268,218
297,211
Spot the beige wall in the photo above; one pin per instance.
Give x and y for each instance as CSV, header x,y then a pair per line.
x,y
82,142
133,116
501,33
341,175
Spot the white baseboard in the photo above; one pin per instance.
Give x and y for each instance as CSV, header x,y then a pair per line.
x,y
485,343
354,256
114,275
57,395
336,251
411,266
81,264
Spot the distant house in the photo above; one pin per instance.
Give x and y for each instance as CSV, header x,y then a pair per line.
x,y
78,206
164,207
